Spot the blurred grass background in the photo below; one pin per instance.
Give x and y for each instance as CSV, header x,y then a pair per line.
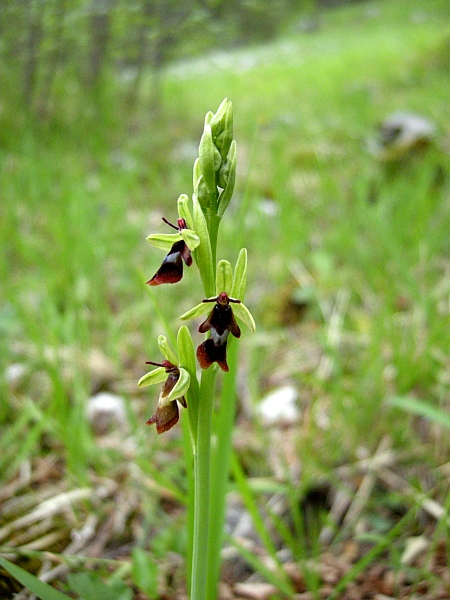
x,y
349,255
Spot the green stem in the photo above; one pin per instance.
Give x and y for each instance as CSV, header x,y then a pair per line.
x,y
202,486
220,469
213,234
202,456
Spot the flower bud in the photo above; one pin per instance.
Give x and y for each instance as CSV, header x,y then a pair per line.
x,y
223,174
202,193
208,159
217,121
217,159
223,141
227,192
208,117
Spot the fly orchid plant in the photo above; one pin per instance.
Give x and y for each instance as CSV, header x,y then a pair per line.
x,y
196,236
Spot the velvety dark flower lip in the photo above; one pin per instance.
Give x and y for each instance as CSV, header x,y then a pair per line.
x,y
171,269
220,323
166,414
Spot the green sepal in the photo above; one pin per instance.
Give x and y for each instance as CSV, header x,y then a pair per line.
x,y
166,350
224,278
242,313
203,253
183,210
226,194
165,241
156,376
207,159
179,389
240,276
197,311
191,238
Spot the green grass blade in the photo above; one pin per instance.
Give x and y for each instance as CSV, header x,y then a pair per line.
x,y
242,485
281,583
35,585
368,558
421,408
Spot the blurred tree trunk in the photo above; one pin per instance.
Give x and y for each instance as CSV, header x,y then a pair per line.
x,y
142,40
54,57
162,21
35,11
100,30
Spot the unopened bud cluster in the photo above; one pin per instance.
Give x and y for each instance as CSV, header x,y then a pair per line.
x,y
215,167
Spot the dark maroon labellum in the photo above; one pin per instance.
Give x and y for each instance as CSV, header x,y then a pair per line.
x,y
171,270
166,416
220,323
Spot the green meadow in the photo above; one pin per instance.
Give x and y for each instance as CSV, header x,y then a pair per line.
x,y
348,282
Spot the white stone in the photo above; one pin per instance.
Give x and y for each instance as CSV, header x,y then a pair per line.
x,y
14,373
280,405
106,411
414,547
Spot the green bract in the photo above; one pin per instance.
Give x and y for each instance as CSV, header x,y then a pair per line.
x,y
203,254
187,360
185,349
